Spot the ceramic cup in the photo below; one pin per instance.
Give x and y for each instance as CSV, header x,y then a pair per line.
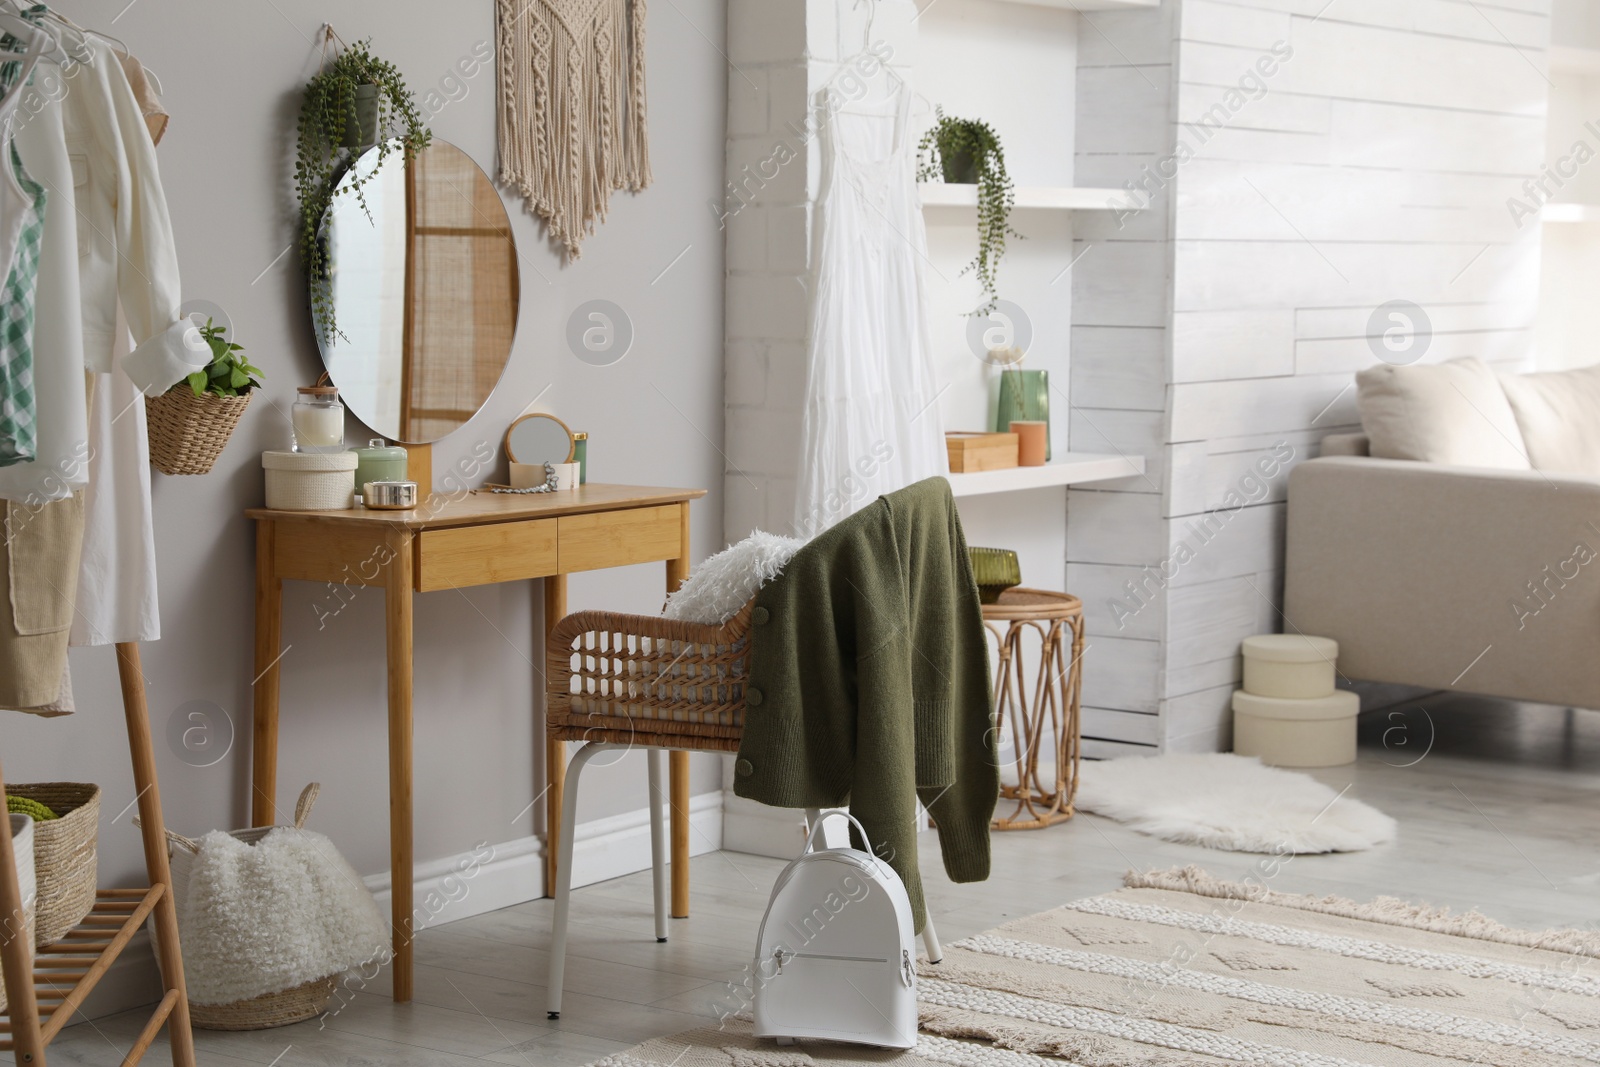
x,y
1032,441
566,476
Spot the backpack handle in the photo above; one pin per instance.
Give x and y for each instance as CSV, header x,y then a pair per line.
x,y
816,828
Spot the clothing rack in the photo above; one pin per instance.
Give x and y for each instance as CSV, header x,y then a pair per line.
x,y
63,975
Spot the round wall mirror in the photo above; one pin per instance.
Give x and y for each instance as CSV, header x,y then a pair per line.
x,y
539,439
424,289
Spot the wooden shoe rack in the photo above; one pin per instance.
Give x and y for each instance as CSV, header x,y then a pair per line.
x,y
44,992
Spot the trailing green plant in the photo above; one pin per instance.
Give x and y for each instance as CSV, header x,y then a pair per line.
x,y
227,374
968,151
328,115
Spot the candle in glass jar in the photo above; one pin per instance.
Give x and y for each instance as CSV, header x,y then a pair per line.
x,y
318,420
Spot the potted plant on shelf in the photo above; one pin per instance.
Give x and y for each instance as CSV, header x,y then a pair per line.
x,y
358,102
968,152
190,423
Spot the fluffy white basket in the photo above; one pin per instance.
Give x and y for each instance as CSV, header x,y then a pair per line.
x,y
310,481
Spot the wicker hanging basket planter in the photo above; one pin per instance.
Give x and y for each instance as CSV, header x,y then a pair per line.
x,y
188,432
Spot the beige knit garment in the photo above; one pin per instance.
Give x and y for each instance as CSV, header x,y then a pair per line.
x,y
572,108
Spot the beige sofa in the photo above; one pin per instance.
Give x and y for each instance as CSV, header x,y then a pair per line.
x,y
1481,576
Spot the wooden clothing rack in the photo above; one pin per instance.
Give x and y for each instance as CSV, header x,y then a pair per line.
x,y
57,983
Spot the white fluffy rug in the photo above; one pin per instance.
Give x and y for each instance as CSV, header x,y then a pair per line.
x,y
1230,802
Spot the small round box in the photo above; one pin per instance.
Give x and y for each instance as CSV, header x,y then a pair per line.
x,y
310,481
1292,666
1320,732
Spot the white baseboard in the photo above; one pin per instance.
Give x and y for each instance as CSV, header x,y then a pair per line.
x,y
759,830
492,877
458,887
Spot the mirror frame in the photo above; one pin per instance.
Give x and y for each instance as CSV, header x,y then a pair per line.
x,y
520,419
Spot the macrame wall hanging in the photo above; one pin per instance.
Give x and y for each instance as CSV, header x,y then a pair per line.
x,y
572,110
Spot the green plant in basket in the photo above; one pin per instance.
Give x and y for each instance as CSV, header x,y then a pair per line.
x,y
228,374
968,152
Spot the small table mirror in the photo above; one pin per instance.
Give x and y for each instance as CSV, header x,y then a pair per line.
x,y
539,439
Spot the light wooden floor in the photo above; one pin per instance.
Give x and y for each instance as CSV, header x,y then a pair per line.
x,y
1499,807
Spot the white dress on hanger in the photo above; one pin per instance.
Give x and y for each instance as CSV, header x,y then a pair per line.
x,y
872,421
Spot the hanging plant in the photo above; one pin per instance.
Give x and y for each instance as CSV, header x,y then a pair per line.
x,y
968,152
357,102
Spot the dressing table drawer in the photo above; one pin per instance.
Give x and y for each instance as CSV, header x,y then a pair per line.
x,y
616,538
459,556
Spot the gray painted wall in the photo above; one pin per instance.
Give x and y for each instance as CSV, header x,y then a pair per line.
x,y
233,75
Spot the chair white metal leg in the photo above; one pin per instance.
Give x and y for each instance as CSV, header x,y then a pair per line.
x,y
569,822
930,941
930,937
658,839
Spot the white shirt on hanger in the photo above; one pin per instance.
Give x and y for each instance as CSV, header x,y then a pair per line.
x,y
107,236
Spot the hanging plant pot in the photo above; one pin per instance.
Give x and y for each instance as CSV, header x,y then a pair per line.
x,y
361,129
188,432
960,168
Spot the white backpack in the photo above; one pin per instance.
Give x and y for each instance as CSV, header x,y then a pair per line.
x,y
836,956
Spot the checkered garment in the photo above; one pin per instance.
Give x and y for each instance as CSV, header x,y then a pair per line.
x,y
17,401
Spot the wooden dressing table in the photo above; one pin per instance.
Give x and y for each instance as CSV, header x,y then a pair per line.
x,y
452,542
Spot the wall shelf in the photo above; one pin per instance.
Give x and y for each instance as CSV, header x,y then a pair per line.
x,y
1037,197
1069,468
1570,213
1091,5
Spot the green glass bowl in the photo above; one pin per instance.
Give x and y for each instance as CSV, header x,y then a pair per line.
x,y
995,570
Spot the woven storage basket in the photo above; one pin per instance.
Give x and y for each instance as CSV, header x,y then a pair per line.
x,y
310,481
188,432
63,855
22,848
270,1009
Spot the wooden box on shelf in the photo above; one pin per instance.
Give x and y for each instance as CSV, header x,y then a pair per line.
x,y
980,451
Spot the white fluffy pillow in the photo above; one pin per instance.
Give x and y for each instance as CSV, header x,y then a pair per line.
x,y
1454,413
721,585
1559,415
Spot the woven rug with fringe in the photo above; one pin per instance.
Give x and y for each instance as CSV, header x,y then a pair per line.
x,y
1179,969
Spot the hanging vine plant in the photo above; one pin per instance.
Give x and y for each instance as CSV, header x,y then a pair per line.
x,y
358,101
968,152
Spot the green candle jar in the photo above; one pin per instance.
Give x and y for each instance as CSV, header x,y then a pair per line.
x,y
379,462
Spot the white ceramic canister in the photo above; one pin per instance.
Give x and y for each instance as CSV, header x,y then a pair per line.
x,y
310,481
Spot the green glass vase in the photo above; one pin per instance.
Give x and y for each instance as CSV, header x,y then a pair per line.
x,y
1024,397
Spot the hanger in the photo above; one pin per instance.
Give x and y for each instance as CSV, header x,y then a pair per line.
x,y
896,82
33,35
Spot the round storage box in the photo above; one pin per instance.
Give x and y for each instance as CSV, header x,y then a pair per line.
x,y
1292,666
1320,732
310,481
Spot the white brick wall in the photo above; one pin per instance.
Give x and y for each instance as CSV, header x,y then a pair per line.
x,y
782,53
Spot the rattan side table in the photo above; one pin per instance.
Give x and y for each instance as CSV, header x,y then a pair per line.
x,y
1052,711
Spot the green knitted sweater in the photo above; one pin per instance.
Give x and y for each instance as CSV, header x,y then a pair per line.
x,y
869,684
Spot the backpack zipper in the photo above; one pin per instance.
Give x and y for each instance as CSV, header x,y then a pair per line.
x,y
780,955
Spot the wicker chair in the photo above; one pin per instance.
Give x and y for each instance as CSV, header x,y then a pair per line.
x,y
619,681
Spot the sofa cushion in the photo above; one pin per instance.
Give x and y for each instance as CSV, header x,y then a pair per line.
x,y
1559,415
1453,413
